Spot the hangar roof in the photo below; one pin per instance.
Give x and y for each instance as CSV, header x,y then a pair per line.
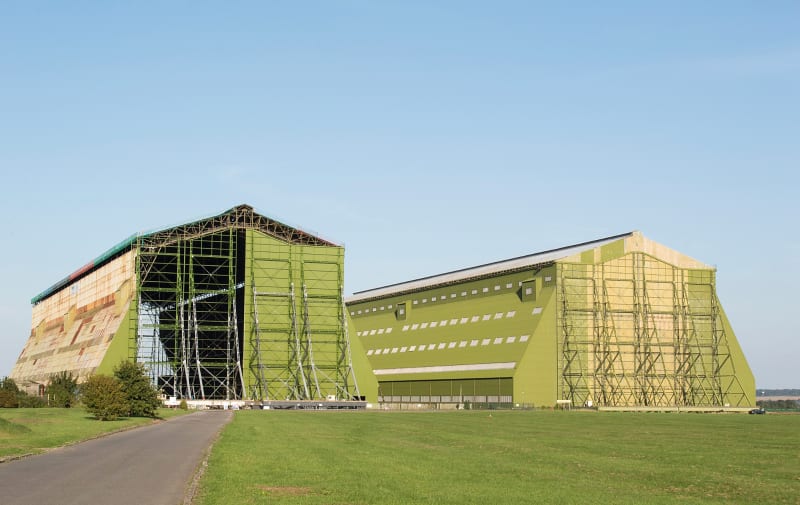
x,y
241,216
509,265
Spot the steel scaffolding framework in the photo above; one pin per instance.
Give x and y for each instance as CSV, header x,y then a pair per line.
x,y
300,349
188,330
191,323
636,331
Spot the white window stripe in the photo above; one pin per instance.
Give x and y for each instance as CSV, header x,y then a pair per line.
x,y
447,368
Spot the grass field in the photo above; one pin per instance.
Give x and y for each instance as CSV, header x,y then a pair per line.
x,y
30,431
506,458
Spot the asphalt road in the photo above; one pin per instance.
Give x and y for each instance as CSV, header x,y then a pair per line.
x,y
144,466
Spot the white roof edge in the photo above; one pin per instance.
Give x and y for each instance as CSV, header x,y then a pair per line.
x,y
481,270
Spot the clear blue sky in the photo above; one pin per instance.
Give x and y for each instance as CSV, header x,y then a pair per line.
x,y
424,136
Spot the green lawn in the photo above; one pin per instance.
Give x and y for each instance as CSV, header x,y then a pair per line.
x,y
26,431
470,457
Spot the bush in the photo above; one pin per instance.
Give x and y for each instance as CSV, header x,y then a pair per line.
x,y
62,390
142,397
27,401
183,405
11,396
8,399
104,397
9,393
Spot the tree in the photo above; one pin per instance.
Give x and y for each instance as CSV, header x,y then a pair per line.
x,y
12,396
103,396
142,397
62,390
9,393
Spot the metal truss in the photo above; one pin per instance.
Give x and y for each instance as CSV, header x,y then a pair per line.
x,y
241,217
188,331
196,308
636,331
305,357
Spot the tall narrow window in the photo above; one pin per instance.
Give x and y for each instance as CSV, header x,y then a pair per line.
x,y
401,311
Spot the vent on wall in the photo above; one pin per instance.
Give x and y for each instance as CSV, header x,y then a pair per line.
x,y
527,290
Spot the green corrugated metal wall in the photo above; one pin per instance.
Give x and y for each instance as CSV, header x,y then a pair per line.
x,y
614,329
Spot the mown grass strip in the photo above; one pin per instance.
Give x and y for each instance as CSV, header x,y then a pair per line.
x,y
31,431
503,457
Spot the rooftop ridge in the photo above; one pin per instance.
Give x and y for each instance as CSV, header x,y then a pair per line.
x,y
464,274
242,215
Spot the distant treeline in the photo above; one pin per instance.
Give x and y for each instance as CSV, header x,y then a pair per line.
x,y
778,404
778,392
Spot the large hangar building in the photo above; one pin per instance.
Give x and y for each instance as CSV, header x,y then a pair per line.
x,y
618,322
234,306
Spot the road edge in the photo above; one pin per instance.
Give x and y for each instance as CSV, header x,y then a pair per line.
x,y
190,492
16,457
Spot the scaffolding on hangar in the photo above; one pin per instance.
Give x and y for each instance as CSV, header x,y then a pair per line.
x,y
219,315
639,331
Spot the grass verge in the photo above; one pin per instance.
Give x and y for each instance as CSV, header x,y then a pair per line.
x,y
509,457
31,431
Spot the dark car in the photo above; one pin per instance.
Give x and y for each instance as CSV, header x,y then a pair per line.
x,y
758,411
